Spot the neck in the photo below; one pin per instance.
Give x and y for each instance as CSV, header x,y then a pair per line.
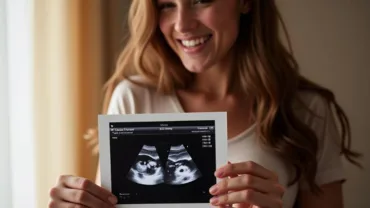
x,y
216,81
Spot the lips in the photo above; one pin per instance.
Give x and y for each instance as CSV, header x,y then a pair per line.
x,y
195,42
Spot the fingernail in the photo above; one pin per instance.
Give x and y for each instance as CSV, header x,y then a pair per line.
x,y
213,190
219,173
113,200
214,200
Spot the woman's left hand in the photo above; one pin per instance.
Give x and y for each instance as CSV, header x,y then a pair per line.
x,y
248,185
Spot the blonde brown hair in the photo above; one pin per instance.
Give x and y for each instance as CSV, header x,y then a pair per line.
x,y
266,70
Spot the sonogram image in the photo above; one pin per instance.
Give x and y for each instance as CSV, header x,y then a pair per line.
x,y
147,169
180,167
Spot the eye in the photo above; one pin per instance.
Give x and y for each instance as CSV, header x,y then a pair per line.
x,y
165,5
202,1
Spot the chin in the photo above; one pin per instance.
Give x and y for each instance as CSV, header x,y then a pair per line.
x,y
195,70
196,67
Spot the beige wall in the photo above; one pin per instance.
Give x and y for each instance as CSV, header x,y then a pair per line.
x,y
68,80
331,39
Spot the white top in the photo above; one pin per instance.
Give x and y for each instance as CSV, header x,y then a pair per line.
x,y
130,98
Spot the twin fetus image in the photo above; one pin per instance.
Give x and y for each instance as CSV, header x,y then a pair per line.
x,y
148,169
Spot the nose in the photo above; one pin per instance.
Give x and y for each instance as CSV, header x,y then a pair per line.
x,y
185,21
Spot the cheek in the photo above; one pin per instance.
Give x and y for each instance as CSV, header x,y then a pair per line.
x,y
232,33
229,33
164,25
224,24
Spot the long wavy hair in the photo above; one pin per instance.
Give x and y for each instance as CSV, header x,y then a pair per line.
x,y
266,70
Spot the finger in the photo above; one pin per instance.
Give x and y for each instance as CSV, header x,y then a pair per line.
x,y
247,196
229,205
76,196
234,175
62,204
246,182
249,167
87,185
225,206
235,206
244,205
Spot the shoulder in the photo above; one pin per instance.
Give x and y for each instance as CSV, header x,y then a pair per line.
x,y
311,105
315,111
134,84
313,100
128,94
137,95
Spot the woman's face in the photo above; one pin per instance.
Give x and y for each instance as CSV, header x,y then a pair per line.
x,y
200,32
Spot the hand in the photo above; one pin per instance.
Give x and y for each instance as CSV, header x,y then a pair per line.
x,y
76,192
248,185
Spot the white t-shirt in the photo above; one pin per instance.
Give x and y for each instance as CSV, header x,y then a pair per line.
x,y
130,98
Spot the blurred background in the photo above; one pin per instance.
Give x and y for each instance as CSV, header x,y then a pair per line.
x,y
55,56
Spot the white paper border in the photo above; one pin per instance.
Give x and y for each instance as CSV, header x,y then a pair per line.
x,y
219,118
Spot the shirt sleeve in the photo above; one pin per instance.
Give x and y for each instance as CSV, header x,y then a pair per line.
x,y
122,99
330,165
116,102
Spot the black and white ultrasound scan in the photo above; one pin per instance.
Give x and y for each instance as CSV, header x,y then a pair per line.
x,y
162,162
179,169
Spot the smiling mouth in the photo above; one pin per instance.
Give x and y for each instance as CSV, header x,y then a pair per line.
x,y
195,42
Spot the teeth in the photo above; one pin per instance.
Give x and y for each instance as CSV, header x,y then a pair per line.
x,y
195,42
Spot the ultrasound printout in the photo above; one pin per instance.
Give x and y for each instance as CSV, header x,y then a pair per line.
x,y
162,160
157,162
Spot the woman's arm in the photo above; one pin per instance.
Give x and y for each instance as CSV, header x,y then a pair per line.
x,y
330,197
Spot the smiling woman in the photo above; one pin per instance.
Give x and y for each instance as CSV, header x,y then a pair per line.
x,y
199,56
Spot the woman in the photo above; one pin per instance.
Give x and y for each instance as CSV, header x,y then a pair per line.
x,y
215,55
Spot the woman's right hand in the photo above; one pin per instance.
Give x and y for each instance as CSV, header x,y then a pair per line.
x,y
76,192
